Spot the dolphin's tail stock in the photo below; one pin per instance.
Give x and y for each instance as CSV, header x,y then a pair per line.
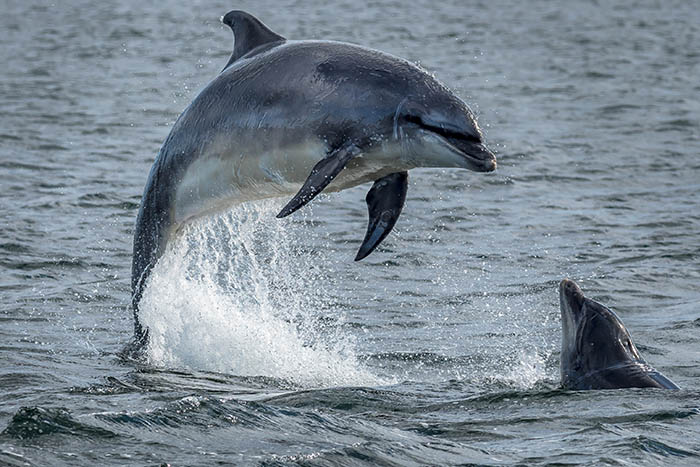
x,y
152,225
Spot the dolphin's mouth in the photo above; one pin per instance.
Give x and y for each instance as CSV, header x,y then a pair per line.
x,y
571,293
476,155
571,301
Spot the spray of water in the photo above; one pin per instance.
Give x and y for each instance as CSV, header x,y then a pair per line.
x,y
245,293
528,369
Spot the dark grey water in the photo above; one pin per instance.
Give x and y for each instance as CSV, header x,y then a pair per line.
x,y
441,347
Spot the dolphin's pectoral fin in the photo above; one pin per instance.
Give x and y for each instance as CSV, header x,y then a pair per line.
x,y
321,175
384,202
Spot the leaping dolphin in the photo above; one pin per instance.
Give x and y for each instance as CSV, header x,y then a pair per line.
x,y
287,117
596,350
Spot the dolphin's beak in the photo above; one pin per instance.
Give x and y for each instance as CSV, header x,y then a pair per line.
x,y
571,298
467,151
477,156
458,135
570,304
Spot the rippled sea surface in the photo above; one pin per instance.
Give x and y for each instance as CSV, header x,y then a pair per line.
x,y
271,346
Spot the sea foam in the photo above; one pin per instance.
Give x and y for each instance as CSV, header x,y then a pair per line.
x,y
241,293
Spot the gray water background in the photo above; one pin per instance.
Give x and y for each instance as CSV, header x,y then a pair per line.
x,y
593,111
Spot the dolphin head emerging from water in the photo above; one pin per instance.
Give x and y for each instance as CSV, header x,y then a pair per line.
x,y
597,351
295,118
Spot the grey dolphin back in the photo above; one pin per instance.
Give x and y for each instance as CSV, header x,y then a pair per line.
x,y
249,33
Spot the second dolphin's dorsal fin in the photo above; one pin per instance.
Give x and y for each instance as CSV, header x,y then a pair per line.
x,y
248,33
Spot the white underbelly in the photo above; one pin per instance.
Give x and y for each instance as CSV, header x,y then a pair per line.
x,y
219,180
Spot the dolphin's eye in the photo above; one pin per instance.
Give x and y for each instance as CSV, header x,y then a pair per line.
x,y
413,119
627,344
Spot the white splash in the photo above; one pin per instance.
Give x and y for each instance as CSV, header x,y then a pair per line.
x,y
529,369
234,294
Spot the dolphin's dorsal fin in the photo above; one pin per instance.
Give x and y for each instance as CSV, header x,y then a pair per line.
x,y
248,33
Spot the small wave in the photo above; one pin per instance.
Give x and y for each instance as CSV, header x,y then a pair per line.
x,y
350,400
193,411
652,446
656,416
14,248
112,386
62,263
33,422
